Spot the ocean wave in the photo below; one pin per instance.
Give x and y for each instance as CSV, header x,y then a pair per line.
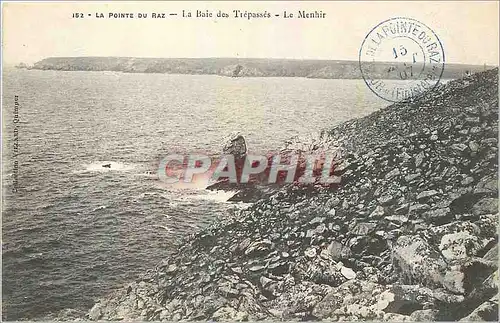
x,y
163,227
100,207
214,196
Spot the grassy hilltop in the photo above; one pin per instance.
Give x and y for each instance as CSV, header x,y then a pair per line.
x,y
255,67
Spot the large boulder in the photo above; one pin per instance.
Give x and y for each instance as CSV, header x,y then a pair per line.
x,y
417,260
485,206
235,145
362,300
487,311
458,240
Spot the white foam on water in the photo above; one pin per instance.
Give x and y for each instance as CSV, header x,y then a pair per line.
x,y
162,227
182,186
101,207
179,192
148,175
242,205
113,167
215,196
146,195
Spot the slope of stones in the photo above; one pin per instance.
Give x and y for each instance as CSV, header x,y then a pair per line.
x,y
455,100
410,235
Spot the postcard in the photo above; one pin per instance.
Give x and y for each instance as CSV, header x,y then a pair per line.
x,y
250,161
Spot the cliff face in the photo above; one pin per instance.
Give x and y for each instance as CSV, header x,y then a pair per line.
x,y
411,234
234,67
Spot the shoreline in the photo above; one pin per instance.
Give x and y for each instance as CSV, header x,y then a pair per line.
x,y
442,81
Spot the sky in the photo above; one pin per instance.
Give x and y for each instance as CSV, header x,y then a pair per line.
x,y
469,31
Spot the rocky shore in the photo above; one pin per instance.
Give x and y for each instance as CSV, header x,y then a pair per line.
x,y
410,234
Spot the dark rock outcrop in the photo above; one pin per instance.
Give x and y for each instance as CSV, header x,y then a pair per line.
x,y
259,185
409,235
235,145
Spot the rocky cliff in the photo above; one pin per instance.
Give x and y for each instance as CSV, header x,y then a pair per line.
x,y
234,67
410,235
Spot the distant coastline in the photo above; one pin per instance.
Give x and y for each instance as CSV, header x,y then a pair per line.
x,y
233,67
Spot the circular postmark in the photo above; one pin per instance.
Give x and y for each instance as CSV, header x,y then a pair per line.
x,y
400,59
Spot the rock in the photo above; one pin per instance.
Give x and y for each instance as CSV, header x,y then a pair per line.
x,y
243,245
475,130
377,213
488,224
417,260
354,299
310,252
394,317
462,276
344,165
429,315
485,206
473,146
302,297
419,207
258,247
419,158
399,219
227,290
453,280
264,281
459,147
364,228
347,273
484,290
95,312
438,215
393,173
426,194
172,268
487,311
317,232
467,181
66,314
229,313
487,184
411,177
333,202
407,299
317,220
458,240
257,268
492,254
462,202
235,145
453,246
276,313
385,200
338,251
